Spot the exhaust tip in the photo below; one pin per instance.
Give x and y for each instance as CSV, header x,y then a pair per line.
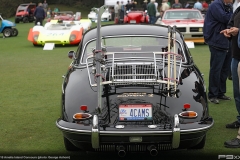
x,y
152,150
121,153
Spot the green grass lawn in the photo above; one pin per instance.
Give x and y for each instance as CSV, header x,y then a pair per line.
x,y
30,93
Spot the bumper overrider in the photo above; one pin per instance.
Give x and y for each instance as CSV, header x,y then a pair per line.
x,y
134,138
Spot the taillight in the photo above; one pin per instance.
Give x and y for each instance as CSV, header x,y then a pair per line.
x,y
188,114
81,116
186,106
72,37
83,107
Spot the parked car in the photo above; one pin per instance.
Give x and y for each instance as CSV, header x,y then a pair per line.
x,y
65,16
136,16
25,12
106,16
58,32
188,21
7,28
128,90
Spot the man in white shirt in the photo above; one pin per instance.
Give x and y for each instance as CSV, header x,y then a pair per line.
x,y
116,9
164,7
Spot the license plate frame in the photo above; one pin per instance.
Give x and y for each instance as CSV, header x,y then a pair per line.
x,y
133,21
135,112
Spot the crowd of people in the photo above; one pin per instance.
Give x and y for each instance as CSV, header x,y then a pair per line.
x,y
154,13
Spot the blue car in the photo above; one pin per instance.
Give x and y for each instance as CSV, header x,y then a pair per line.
x,y
7,28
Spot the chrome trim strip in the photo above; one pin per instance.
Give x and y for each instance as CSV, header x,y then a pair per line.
x,y
176,132
95,133
134,132
72,130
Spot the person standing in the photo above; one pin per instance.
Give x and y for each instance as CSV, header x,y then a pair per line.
x,y
116,10
176,5
216,20
151,10
164,7
144,5
205,5
39,14
45,6
232,33
128,6
133,5
198,6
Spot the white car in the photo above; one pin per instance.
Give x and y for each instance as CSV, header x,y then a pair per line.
x,y
59,32
106,16
188,21
86,24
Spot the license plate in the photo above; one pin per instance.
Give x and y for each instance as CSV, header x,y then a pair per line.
x,y
132,21
135,112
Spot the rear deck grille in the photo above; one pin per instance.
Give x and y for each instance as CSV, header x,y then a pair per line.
x,y
139,72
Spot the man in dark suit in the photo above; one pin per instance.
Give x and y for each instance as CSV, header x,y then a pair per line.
x,y
39,14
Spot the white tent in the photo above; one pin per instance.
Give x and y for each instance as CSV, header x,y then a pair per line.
x,y
113,2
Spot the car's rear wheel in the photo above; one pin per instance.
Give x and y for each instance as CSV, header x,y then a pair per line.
x,y
7,32
200,145
14,32
25,19
69,146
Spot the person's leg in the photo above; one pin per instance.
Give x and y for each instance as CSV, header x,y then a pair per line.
x,y
236,93
235,67
37,20
41,21
216,63
224,74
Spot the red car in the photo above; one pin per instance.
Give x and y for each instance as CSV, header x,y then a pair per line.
x,y
24,13
136,17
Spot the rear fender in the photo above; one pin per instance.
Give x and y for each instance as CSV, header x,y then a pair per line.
x,y
31,35
78,35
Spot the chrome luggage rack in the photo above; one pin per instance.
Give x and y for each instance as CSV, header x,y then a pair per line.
x,y
132,68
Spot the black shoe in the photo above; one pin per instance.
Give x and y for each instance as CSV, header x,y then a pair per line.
x,y
224,97
214,100
234,143
235,124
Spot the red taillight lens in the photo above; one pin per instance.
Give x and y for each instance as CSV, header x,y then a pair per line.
x,y
83,107
186,106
